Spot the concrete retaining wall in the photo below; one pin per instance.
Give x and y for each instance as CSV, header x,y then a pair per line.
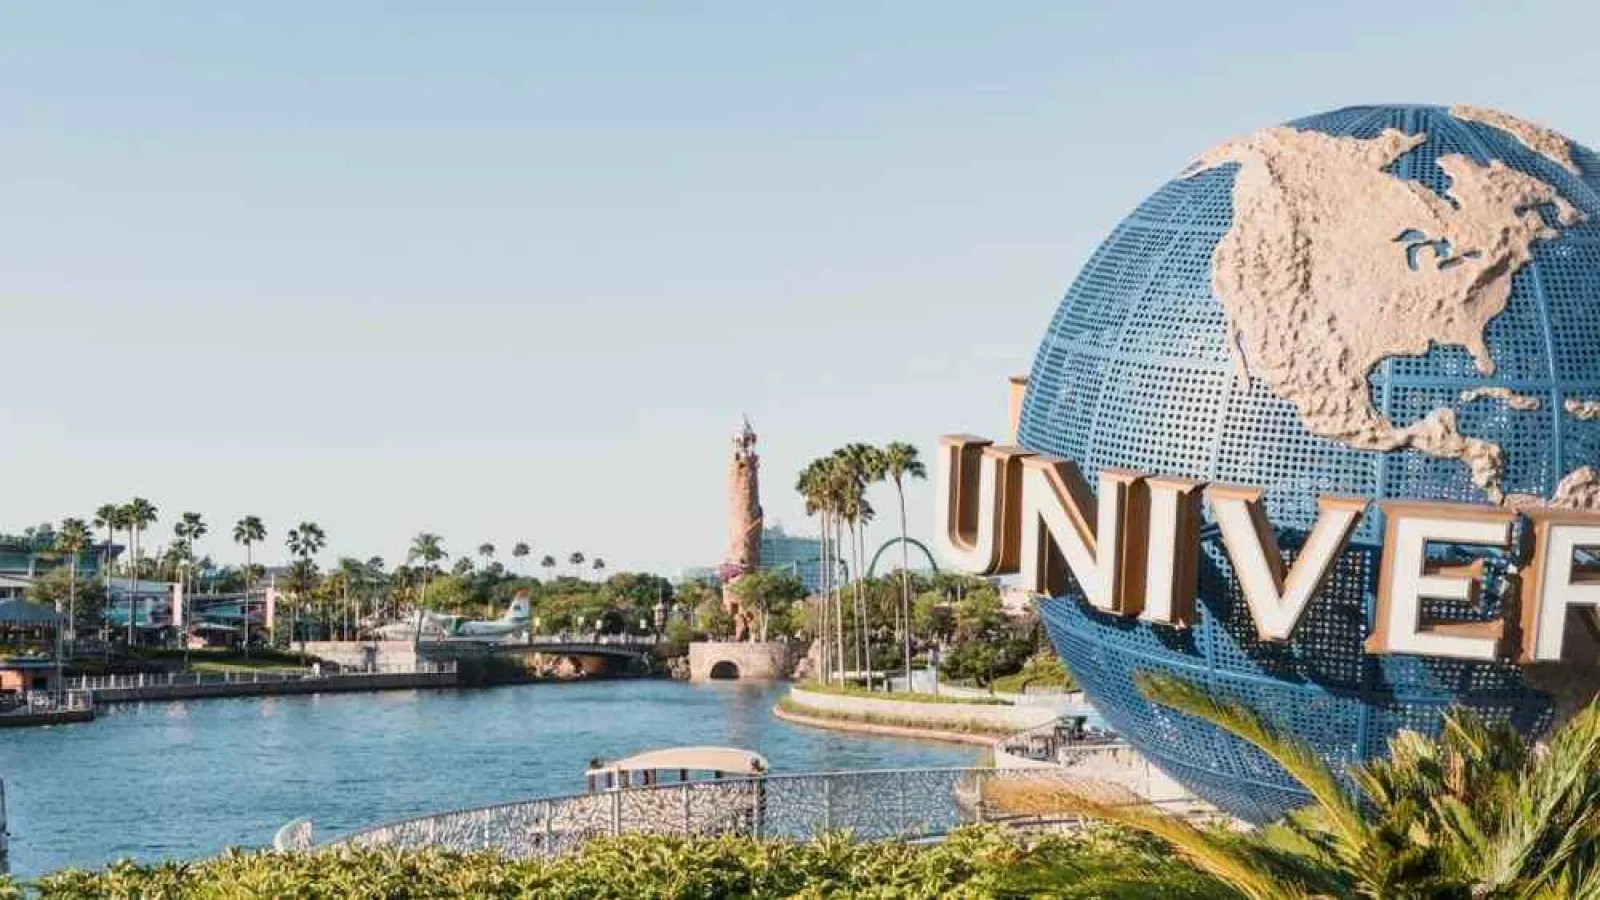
x,y
383,681
987,717
359,654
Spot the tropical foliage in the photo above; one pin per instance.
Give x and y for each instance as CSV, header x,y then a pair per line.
x,y
1478,812
976,863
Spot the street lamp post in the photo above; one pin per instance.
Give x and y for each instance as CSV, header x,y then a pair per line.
x,y
661,616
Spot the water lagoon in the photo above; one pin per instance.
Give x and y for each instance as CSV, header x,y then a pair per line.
x,y
187,779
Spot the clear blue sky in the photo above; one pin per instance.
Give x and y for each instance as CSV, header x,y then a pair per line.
x,y
513,271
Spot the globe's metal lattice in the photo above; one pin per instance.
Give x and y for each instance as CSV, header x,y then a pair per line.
x,y
1134,373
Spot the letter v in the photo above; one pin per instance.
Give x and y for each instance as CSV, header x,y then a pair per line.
x,y
1278,599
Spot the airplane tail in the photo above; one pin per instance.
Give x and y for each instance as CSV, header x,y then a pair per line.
x,y
521,607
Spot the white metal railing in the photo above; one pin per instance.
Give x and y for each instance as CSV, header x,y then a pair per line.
x,y
907,804
186,679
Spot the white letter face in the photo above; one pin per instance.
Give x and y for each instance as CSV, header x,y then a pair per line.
x,y
1407,578
1553,584
1278,599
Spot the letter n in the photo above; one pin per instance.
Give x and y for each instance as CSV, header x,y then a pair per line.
x,y
1064,527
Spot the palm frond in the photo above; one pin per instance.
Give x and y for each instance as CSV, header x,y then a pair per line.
x,y
1552,817
1295,756
1213,852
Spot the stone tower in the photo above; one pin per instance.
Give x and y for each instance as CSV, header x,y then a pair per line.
x,y
744,523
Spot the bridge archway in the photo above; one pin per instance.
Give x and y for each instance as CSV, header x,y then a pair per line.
x,y
725,670
872,567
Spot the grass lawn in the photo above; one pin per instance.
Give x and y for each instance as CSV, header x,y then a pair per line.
x,y
243,665
788,705
229,660
851,690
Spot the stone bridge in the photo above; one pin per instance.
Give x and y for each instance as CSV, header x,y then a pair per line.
x,y
595,654
739,660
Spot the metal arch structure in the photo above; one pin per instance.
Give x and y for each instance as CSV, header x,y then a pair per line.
x,y
872,567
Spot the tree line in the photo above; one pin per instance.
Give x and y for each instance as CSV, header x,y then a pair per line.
x,y
835,488
334,601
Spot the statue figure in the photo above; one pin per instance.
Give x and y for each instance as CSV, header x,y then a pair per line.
x,y
744,526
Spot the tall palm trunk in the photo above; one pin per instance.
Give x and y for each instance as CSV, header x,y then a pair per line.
x,y
821,638
905,585
105,579
855,601
133,596
244,608
838,601
72,598
858,537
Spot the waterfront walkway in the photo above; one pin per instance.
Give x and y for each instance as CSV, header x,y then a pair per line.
x,y
901,804
107,689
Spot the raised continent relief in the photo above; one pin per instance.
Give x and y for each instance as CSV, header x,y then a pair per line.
x,y
1547,143
1332,265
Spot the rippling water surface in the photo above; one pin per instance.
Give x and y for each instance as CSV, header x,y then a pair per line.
x,y
186,779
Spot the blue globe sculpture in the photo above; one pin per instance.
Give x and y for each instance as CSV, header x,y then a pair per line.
x,y
1146,366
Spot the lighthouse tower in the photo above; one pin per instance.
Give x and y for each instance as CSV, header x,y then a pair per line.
x,y
744,523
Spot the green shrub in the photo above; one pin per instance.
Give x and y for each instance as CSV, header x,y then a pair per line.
x,y
973,863
1041,670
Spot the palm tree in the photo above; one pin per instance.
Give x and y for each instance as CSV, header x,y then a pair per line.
x,y
812,485
900,462
112,518
1477,812
248,531
834,491
351,571
860,465
599,566
73,537
189,528
486,550
376,581
548,563
520,551
430,549
575,560
138,514
109,517
304,541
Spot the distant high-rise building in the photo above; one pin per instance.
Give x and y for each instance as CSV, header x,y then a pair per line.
x,y
798,555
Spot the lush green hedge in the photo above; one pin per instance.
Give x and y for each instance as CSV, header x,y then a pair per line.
x,y
855,690
975,863
1039,672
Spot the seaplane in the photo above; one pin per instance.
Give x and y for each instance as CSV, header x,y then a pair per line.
x,y
425,625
